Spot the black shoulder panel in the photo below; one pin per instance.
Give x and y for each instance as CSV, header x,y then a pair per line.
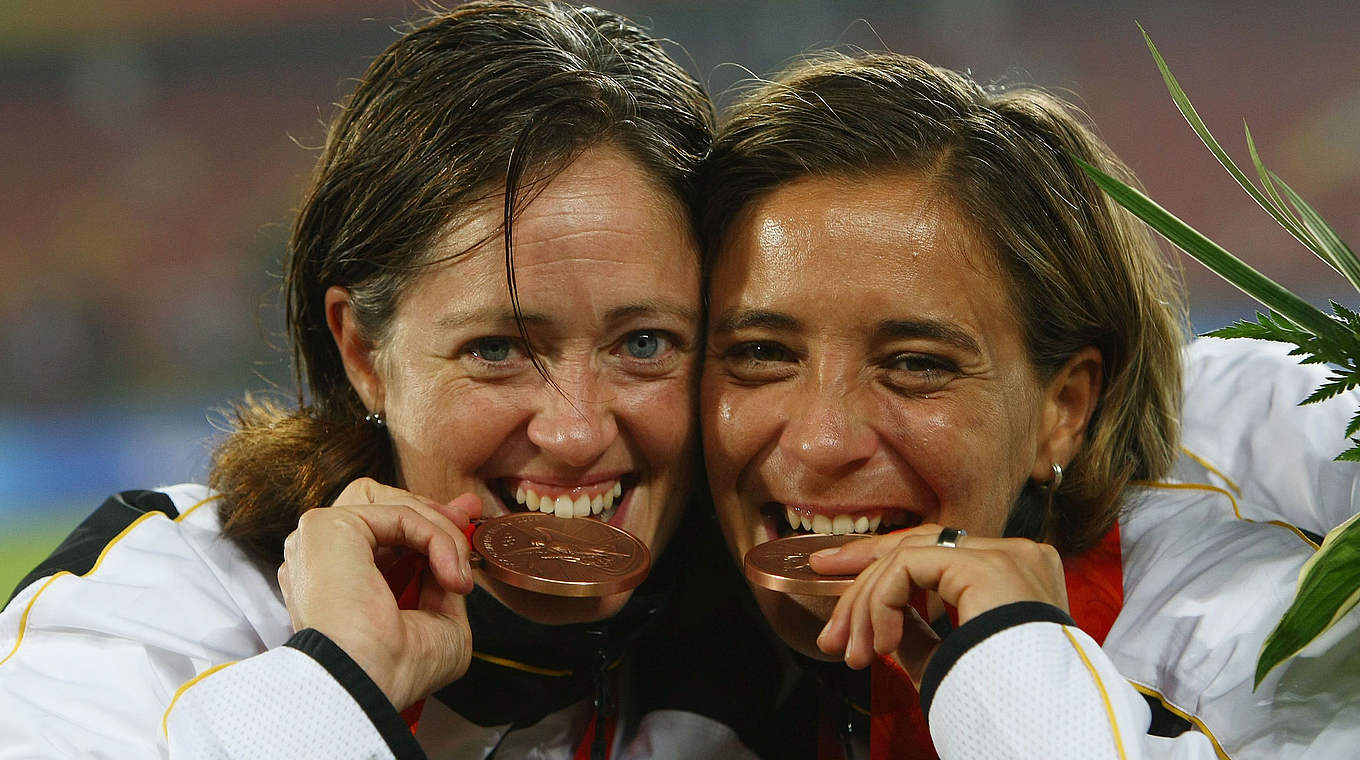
x,y
1164,722
79,551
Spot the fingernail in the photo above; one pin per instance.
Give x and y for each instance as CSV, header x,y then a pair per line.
x,y
833,551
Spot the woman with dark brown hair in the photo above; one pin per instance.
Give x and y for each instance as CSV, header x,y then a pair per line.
x,y
926,322
493,299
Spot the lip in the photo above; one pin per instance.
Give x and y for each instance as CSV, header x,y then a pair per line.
x,y
782,519
602,496
553,481
835,509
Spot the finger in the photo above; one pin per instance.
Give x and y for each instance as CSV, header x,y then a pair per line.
x,y
859,647
887,603
877,611
853,556
988,573
412,527
463,509
369,491
852,632
450,519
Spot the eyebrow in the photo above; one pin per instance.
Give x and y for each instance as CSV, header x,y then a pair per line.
x,y
652,307
497,315
888,329
494,315
748,319
944,332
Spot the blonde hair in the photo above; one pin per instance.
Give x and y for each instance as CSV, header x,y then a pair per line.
x,y
1080,270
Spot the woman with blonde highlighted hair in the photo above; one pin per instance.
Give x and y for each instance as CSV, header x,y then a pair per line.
x,y
932,335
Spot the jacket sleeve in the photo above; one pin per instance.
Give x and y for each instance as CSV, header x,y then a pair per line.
x,y
1022,681
1243,429
151,653
304,699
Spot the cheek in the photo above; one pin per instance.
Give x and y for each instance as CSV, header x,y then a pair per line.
x,y
733,426
967,453
443,439
929,450
660,419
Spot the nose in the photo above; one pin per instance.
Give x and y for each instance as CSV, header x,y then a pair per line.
x,y
825,433
573,424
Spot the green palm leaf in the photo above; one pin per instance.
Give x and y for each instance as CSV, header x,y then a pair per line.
x,y
1329,583
1329,587
1223,263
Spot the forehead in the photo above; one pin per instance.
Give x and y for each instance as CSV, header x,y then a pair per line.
x,y
600,219
886,243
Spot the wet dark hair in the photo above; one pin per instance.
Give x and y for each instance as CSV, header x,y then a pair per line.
x,y
484,101
1080,271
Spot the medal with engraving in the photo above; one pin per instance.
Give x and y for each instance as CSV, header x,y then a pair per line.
x,y
782,565
563,557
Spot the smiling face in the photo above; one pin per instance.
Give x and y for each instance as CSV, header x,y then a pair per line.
x,y
866,369
608,282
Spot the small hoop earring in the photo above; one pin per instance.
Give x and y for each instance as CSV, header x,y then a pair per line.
x,y
1051,489
375,419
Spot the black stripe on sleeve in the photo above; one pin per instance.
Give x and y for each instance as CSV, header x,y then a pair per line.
x,y
82,547
977,630
361,688
1164,722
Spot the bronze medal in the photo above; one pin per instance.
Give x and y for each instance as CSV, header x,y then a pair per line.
x,y
575,556
782,565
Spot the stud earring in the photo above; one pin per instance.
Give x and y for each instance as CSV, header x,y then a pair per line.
x,y
376,420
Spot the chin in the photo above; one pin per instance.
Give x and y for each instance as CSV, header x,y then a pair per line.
x,y
798,619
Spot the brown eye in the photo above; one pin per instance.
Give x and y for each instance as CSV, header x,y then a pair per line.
x,y
919,373
760,352
922,363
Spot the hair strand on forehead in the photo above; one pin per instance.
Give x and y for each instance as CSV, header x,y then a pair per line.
x,y
484,101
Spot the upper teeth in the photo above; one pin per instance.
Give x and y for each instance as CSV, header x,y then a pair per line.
x,y
565,506
864,523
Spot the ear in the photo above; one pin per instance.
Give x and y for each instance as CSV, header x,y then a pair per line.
x,y
1069,401
356,352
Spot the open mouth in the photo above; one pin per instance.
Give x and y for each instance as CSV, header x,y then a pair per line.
x,y
598,500
788,520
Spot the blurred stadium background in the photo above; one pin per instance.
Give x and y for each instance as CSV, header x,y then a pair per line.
x,y
153,150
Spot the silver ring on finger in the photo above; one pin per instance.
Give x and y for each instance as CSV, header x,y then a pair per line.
x,y
949,537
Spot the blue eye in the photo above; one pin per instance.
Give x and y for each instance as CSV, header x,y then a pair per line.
x,y
643,345
492,349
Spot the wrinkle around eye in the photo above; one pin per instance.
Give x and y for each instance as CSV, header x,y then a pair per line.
x,y
494,355
671,353
929,373
758,361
